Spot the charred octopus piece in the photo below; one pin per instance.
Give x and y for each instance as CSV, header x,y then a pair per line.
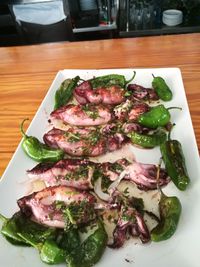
x,y
130,223
83,141
82,173
141,93
87,115
77,141
144,175
76,173
112,95
129,111
137,110
59,206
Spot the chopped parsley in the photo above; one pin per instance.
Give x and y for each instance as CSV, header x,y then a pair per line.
x,y
92,113
126,192
73,137
80,172
116,167
128,93
94,137
105,183
78,213
75,213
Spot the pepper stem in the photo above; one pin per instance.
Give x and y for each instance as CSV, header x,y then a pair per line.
x,y
169,135
3,218
153,76
134,73
158,176
22,126
174,108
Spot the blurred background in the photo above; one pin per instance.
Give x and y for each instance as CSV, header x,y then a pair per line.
x,y
24,22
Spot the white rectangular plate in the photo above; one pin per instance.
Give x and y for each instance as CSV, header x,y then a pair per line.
x,y
182,250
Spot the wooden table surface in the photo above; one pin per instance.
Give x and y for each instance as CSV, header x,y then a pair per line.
x,y
26,73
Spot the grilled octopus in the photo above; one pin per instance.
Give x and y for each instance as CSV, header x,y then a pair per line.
x,y
139,92
113,95
53,206
130,223
96,115
83,141
87,115
82,174
130,111
65,207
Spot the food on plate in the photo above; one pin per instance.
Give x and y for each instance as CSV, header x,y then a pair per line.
x,y
157,116
83,141
111,79
83,194
130,223
130,111
90,251
174,160
139,92
87,115
56,245
65,92
39,151
76,173
170,211
59,206
151,140
82,173
161,88
112,95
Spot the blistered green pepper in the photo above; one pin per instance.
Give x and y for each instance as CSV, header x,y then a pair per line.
x,y
158,116
148,140
22,229
170,211
51,253
55,250
39,151
10,229
65,92
174,161
90,250
110,79
161,88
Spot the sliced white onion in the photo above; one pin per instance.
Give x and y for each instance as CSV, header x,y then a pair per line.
x,y
104,196
100,206
98,190
115,184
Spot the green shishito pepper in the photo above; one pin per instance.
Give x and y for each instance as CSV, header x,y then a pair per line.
x,y
65,92
170,211
54,250
148,140
110,79
10,229
53,244
20,230
90,251
39,151
51,253
158,116
161,88
174,161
